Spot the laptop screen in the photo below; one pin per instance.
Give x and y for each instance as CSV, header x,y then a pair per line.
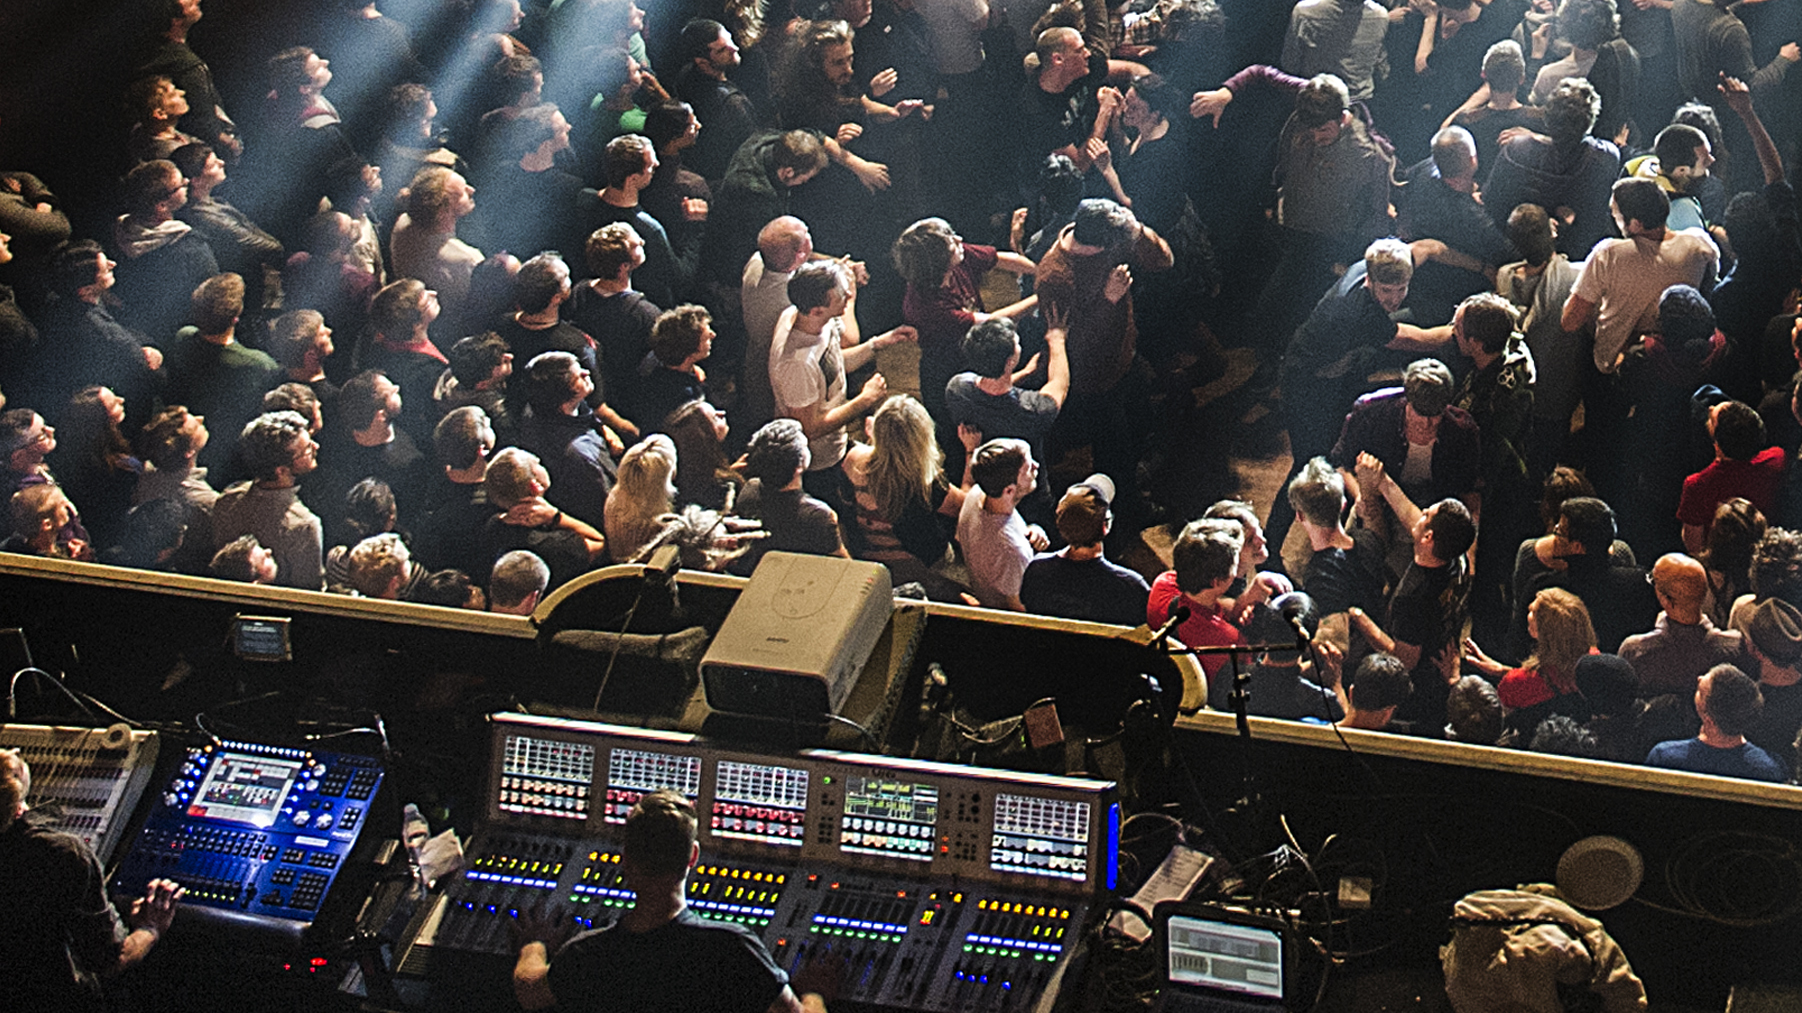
x,y
1213,954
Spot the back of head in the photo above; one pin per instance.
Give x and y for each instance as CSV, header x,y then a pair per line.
x,y
369,507
448,588
678,333
782,241
659,836
1318,493
624,157
267,442
1588,522
1388,262
1206,553
1775,630
517,576
1530,231
1738,431
698,37
1504,67
461,437
1561,735
1685,318
546,380
1474,711
359,400
396,311
1270,622
217,303
34,504
164,440
376,562
293,397
74,266
989,347
293,335
922,253
609,248
540,281
1380,680
647,474
815,282
1571,111
776,452
149,184
529,129
1777,565
1083,514
1324,99
666,121
1488,320
1564,482
1429,387
1101,222
1642,200
510,477
1733,701
428,193
475,358
1454,530
1588,23
1454,152
799,151
191,158
1608,682
996,465
1060,184
1676,146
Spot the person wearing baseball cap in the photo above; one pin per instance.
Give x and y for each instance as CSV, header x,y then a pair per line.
x,y
1774,653
1079,581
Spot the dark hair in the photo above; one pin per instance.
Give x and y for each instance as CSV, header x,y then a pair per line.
x,y
1588,23
163,441
801,151
676,334
357,400
814,282
1561,735
539,280
1733,700
1205,553
1101,222
1269,625
1562,483
267,443
1452,528
996,465
775,452
1738,431
666,121
449,588
1589,522
1530,230
1776,565
516,75
1488,321
1676,146
1474,711
457,438
148,184
74,266
529,129
698,37
1060,184
1165,99
1641,200
151,529
1571,111
191,158
659,835
475,358
1379,681
624,157
1684,316
368,508
1324,99
547,385
989,345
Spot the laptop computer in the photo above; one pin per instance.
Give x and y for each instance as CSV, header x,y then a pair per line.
x,y
1221,960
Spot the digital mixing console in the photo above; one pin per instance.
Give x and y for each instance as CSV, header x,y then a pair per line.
x,y
257,834
947,888
90,779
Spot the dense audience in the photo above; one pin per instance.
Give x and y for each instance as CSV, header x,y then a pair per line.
x,y
458,304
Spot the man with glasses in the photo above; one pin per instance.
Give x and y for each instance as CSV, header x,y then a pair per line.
x,y
161,258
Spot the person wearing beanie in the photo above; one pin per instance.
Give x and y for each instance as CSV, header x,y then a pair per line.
x,y
1610,685
1079,581
1774,652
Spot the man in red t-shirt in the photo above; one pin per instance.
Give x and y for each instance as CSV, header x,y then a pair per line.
x,y
1744,466
1205,559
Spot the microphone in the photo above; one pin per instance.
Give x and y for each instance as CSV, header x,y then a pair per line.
x,y
1294,610
1179,614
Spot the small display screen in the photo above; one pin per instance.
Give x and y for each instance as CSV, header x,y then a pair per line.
x,y
1040,837
1237,958
245,789
546,777
633,773
896,819
754,802
261,638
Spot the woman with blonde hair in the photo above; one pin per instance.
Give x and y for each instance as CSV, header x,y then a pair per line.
x,y
1546,683
641,513
906,509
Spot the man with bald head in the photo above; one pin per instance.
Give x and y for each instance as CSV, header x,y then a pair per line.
x,y
783,245
1683,643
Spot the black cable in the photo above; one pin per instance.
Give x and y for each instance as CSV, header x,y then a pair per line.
x,y
618,643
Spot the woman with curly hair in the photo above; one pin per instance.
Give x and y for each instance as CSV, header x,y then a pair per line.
x,y
1546,683
906,510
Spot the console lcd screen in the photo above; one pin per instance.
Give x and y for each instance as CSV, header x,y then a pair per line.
x,y
245,789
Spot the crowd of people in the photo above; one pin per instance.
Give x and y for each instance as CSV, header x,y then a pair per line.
x,y
457,308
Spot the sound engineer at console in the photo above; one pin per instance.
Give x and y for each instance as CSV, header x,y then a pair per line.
x,y
60,931
659,955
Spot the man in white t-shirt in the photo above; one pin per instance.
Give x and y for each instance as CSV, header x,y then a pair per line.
x,y
1623,279
997,543
816,343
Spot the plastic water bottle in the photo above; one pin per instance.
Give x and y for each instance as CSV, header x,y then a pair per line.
x,y
414,831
